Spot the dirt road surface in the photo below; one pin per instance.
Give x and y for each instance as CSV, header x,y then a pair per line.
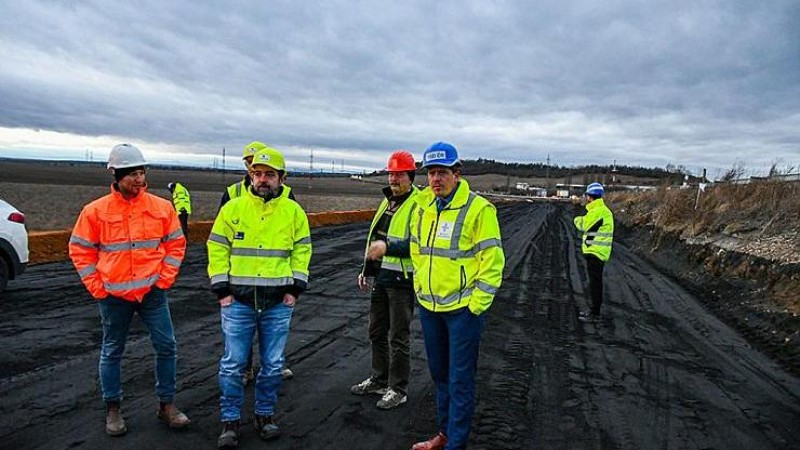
x,y
658,372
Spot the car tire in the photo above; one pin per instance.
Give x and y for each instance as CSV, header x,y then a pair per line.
x,y
4,273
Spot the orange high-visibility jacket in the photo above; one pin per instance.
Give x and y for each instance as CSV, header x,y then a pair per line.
x,y
124,247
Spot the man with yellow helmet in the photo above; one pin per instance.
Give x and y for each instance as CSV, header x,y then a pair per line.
x,y
258,255
236,190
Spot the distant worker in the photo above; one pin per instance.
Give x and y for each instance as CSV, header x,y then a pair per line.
x,y
597,237
127,247
237,190
258,255
458,268
183,205
387,260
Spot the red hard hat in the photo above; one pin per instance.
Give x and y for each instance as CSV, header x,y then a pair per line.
x,y
401,161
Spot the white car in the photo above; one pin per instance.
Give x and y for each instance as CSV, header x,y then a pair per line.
x,y
13,243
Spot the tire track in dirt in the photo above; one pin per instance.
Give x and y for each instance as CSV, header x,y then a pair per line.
x,y
670,375
657,372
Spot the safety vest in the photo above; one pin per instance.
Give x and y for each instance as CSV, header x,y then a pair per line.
x,y
257,243
181,199
457,253
123,247
597,229
398,231
237,189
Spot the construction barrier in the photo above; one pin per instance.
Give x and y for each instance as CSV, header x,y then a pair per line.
x,y
51,246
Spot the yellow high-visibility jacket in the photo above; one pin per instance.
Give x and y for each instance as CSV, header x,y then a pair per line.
x,y
597,229
457,253
398,231
259,249
181,198
240,187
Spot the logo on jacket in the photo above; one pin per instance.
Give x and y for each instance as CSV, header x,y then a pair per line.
x,y
445,230
239,235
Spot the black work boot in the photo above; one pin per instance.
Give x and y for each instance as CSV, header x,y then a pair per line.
x,y
266,427
229,438
115,424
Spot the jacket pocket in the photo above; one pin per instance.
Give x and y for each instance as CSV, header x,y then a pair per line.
x,y
112,228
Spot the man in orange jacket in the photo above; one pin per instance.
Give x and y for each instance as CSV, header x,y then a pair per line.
x,y
127,247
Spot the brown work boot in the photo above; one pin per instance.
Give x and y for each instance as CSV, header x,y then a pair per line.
x,y
173,416
435,443
115,424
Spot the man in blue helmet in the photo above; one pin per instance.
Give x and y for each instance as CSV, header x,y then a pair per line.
x,y
458,264
597,237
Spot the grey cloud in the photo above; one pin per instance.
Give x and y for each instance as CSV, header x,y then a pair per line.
x,y
587,82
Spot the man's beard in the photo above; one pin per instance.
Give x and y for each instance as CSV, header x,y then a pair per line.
x,y
266,192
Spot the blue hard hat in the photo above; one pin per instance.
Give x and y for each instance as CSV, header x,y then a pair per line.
x,y
440,154
595,190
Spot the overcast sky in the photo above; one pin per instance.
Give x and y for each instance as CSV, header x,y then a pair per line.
x,y
699,83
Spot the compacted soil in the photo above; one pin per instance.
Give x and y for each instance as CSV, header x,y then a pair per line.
x,y
657,372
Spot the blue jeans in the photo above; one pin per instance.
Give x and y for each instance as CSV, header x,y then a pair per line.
x,y
451,342
239,324
116,315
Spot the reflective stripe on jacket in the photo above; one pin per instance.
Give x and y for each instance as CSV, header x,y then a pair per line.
x,y
237,189
398,231
123,247
457,254
597,229
181,198
256,243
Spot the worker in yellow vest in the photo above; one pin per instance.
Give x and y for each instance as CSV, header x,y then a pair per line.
x,y
597,237
236,190
183,205
387,261
259,250
458,268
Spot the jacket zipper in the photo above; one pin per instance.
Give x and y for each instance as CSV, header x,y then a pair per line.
x,y
462,284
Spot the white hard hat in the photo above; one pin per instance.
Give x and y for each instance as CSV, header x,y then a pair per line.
x,y
125,155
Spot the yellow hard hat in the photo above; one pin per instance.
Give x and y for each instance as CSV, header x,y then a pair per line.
x,y
253,147
268,156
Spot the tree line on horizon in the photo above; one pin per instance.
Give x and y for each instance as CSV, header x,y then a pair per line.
x,y
483,166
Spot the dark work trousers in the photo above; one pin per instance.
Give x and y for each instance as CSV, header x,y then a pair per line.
x,y
452,341
183,216
595,268
390,313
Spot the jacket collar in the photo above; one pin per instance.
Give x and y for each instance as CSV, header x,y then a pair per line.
x,y
595,204
284,193
428,198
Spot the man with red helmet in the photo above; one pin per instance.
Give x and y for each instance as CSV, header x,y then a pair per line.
x,y
388,262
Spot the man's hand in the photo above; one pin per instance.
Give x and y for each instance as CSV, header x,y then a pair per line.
x,y
363,283
289,300
224,302
376,250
